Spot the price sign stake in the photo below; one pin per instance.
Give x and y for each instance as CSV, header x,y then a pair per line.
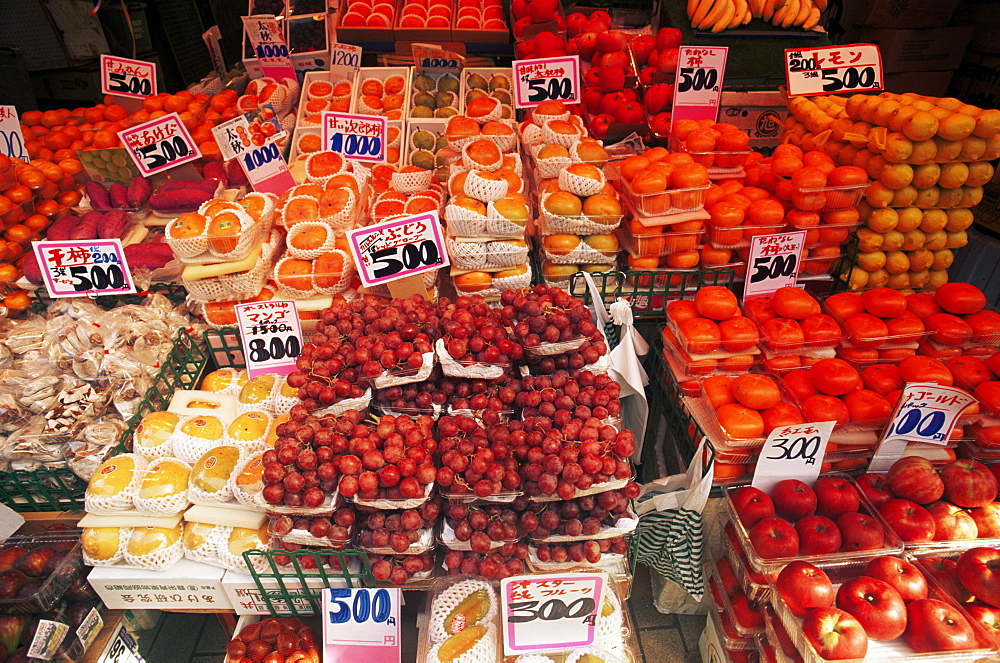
x,y
546,79
773,262
159,144
11,140
551,611
925,412
127,78
792,452
361,625
264,165
271,336
268,43
398,248
849,68
359,137
698,87
81,268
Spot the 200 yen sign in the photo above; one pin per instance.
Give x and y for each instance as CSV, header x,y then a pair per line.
x,y
352,145
129,84
272,51
801,447
552,610
698,79
555,89
275,350
376,607
163,152
260,156
411,256
771,267
850,79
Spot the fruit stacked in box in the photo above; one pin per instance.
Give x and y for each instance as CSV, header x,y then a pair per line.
x,y
928,158
278,639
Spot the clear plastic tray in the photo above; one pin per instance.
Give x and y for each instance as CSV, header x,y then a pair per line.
x,y
888,341
738,237
730,636
660,244
744,630
701,366
672,201
303,537
719,353
754,584
850,426
53,578
777,347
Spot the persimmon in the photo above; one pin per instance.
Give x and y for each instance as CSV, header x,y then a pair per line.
x,y
700,335
756,391
718,389
740,422
716,302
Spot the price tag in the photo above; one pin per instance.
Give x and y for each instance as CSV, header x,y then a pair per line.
x,y
11,140
122,648
398,248
259,155
551,611
432,59
849,68
159,144
359,137
271,336
80,268
89,628
212,37
773,262
792,452
127,78
345,59
925,412
545,79
361,625
48,637
698,86
268,43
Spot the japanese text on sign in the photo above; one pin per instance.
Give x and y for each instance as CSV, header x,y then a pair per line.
x,y
550,612
84,267
160,144
401,247
361,624
792,452
700,73
269,47
361,137
546,79
848,68
345,59
127,78
773,262
271,336
11,140
432,59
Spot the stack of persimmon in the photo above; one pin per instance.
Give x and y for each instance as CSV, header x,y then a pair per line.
x,y
750,405
711,332
795,332
712,144
880,325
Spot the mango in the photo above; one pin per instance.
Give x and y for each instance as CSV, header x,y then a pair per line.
x,y
460,643
467,613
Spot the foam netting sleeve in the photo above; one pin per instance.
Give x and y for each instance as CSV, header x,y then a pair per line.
x,y
500,284
157,560
495,114
506,142
240,285
396,378
164,505
285,290
269,201
452,367
246,495
484,651
580,185
310,254
124,534
365,109
190,448
342,218
345,276
583,253
237,564
251,234
464,222
471,164
609,629
162,450
542,119
486,255
482,189
411,182
459,144
531,135
497,225
121,501
186,247
533,658
250,447
322,179
208,551
282,211
281,404
450,598
551,166
600,653
224,494
554,138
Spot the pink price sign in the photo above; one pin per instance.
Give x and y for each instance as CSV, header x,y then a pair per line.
x,y
268,43
83,268
397,248
358,137
159,144
271,336
127,78
834,69
698,86
773,263
546,79
361,624
550,612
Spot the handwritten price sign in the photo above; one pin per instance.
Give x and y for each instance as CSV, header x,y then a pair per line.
x,y
345,59
159,144
260,157
546,79
271,336
361,625
84,267
11,140
127,78
550,612
700,72
850,68
401,247
792,452
432,59
268,43
773,262
360,137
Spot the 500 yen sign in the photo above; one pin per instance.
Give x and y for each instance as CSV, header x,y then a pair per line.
x,y
550,89
771,267
849,79
374,605
698,79
411,256
129,84
164,152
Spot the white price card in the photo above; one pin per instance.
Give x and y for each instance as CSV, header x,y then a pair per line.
x,y
792,452
159,144
89,628
127,78
926,412
49,635
257,153
345,59
359,137
268,43
121,648
11,140
698,83
271,336
361,625
433,59
773,263
550,612
546,79
83,268
833,69
398,248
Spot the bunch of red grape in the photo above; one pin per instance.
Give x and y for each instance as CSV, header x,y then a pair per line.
x,y
581,551
389,460
308,559
335,530
397,569
483,525
471,463
398,528
569,394
581,517
474,333
499,563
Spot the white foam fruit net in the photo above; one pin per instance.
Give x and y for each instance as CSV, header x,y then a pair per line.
x,y
450,598
122,500
208,551
484,189
124,533
246,494
579,184
297,233
156,560
166,500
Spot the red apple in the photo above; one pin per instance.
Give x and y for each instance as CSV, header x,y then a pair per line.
x,y
875,488
611,79
611,41
986,615
835,496
876,604
525,50
774,537
658,97
666,60
599,125
602,18
987,519
611,101
575,23
668,38
803,587
615,59
592,96
818,535
641,47
835,634
978,570
726,576
945,573
902,575
646,75
629,113
586,45
968,483
915,478
934,625
751,505
859,531
910,521
748,614
793,499
592,77
660,124
951,523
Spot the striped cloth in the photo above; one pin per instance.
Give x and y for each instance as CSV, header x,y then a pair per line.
x,y
670,542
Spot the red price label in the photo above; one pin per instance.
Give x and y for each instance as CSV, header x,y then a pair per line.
x,y
84,267
834,69
159,144
127,78
401,247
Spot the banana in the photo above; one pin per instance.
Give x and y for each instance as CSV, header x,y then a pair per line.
x,y
779,13
718,8
741,10
747,15
692,6
770,6
726,17
812,20
821,4
804,11
702,11
756,7
790,15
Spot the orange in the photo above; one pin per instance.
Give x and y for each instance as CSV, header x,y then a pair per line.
x,y
343,181
210,150
484,152
333,201
18,233
300,209
253,205
174,104
104,139
37,222
224,231
115,113
17,301
739,421
150,104
309,143
187,225
31,118
756,391
51,119
632,166
325,164
472,281
9,272
328,269
18,193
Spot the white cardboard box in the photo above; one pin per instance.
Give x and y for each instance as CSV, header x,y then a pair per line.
x,y
186,586
244,596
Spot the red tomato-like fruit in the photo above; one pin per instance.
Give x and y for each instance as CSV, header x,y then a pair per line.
x,y
795,303
864,330
844,304
905,327
882,378
756,391
700,335
760,309
799,385
969,372
738,334
867,407
919,368
826,408
960,298
716,302
821,330
834,377
680,310
988,394
781,414
985,326
948,329
884,302
922,304
783,334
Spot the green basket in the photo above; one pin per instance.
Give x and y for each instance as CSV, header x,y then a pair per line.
x,y
57,489
648,291
292,594
224,348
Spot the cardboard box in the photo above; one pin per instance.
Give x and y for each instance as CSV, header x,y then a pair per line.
x,y
931,83
937,49
185,586
244,596
909,13
760,114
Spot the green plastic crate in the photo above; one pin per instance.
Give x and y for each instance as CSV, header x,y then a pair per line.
x,y
224,348
57,489
648,291
292,595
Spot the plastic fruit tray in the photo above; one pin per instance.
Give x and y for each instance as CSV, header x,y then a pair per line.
x,y
663,203
738,237
54,577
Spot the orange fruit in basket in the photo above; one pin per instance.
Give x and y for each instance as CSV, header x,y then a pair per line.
x,y
649,180
328,269
9,272
325,164
300,209
472,281
333,201
592,152
553,152
343,181
310,189
224,231
394,84
320,88
419,204
391,104
602,208
37,222
483,152
254,206
563,203
481,106
309,143
309,238
513,179
632,166
316,105
550,108
295,274
384,208
460,127
342,90
585,170
494,128
372,88
739,421
216,206
756,391
187,225
18,233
